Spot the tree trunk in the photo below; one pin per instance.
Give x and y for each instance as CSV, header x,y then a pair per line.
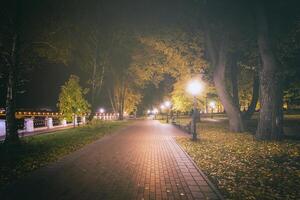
x,y
94,85
233,113
206,105
122,101
255,94
11,136
93,107
270,124
218,59
234,81
11,123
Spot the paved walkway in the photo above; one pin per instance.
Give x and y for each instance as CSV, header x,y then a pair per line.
x,y
139,162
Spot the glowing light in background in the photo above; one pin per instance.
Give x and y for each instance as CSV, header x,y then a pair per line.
x,y
168,104
194,87
101,110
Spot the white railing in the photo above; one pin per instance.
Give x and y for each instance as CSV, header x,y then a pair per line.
x,y
32,125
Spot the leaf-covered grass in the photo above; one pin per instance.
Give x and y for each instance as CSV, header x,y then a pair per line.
x,y
244,168
37,151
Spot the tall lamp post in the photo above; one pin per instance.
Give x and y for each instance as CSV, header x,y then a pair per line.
x,y
155,111
168,105
162,108
194,87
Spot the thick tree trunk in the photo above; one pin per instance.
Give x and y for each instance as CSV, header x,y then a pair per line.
x,y
11,123
255,94
233,113
11,136
218,59
270,124
234,81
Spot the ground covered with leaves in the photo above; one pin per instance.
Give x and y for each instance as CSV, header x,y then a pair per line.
x,y
37,151
244,168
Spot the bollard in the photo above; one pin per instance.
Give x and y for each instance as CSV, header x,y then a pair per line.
x,y
75,120
83,120
63,122
49,122
28,125
2,127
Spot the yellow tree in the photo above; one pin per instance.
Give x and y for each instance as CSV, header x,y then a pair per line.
x,y
177,54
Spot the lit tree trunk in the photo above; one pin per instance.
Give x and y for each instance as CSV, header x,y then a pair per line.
x,y
122,101
206,105
218,59
232,111
255,94
234,81
270,124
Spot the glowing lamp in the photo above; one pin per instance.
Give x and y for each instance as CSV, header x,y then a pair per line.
x,y
168,104
101,110
194,87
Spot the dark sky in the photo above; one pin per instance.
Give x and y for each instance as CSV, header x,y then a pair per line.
x,y
44,83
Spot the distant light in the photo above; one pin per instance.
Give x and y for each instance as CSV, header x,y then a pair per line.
x,y
101,110
194,87
155,111
212,104
168,104
148,111
162,107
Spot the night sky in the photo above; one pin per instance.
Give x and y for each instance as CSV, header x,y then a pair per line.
x,y
43,82
42,88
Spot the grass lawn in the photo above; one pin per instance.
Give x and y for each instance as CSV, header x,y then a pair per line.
x,y
244,168
37,151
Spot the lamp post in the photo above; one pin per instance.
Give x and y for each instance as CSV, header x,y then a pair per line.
x,y
194,87
212,105
155,111
162,107
168,105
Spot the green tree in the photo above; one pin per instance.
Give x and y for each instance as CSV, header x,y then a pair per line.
x,y
71,100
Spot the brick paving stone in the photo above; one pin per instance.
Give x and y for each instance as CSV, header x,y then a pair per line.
x,y
142,161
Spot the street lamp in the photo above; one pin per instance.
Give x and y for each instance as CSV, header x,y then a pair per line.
x,y
194,87
212,106
162,108
167,104
155,111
